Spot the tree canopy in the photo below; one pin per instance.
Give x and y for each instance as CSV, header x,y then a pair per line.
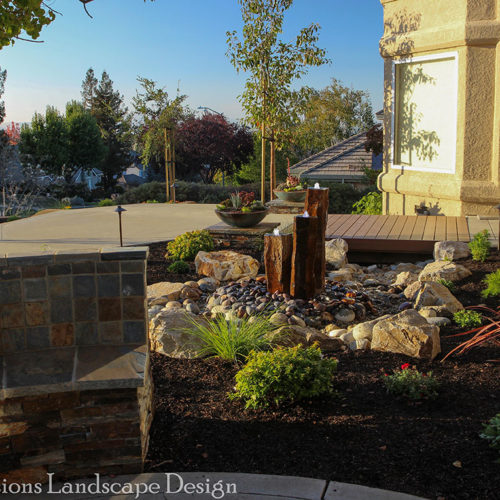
x,y
331,115
210,145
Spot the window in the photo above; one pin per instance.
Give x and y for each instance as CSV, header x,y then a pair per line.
x,y
425,113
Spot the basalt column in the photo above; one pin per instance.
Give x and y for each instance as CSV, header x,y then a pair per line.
x,y
317,206
303,281
278,261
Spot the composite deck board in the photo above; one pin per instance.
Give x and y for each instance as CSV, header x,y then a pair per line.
x,y
407,230
418,229
398,233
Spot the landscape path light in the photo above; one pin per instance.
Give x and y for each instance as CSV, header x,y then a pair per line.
x,y
119,211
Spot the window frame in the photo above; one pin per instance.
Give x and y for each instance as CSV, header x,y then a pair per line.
x,y
451,169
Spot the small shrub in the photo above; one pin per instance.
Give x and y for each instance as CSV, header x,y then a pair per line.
x,y
480,246
448,284
411,384
107,202
178,267
152,201
370,204
492,281
467,318
491,432
285,375
187,245
231,340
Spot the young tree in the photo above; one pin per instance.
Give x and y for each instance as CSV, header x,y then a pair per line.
x,y
107,107
157,118
211,144
13,131
331,115
273,65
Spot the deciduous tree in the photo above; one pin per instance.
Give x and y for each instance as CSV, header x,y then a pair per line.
x,y
211,144
272,65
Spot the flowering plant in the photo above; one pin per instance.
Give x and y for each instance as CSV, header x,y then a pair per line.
x,y
293,183
408,382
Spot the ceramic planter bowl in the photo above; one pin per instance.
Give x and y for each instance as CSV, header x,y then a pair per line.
x,y
294,196
241,219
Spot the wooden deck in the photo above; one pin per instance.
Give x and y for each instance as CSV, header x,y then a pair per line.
x,y
396,233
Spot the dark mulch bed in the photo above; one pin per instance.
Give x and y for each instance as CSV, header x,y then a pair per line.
x,y
363,435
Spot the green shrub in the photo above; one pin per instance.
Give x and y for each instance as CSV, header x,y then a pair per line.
x,y
491,432
341,197
12,218
480,246
179,267
411,384
370,204
285,375
492,281
231,340
107,202
141,194
187,245
448,284
467,318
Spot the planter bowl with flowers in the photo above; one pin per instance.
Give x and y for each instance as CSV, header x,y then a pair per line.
x,y
241,210
293,190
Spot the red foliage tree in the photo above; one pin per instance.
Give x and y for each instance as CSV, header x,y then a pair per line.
x,y
211,144
13,132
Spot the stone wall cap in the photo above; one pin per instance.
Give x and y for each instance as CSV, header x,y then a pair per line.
x,y
75,255
29,258
124,253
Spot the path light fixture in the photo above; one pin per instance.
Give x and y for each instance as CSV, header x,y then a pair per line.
x,y
119,211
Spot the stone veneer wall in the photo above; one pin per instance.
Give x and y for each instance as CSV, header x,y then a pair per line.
x,y
76,395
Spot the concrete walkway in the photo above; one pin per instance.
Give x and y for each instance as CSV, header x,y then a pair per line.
x,y
94,228
187,486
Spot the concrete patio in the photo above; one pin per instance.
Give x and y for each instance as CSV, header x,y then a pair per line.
x,y
94,228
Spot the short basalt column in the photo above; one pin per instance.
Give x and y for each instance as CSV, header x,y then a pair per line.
x,y
317,206
278,261
303,280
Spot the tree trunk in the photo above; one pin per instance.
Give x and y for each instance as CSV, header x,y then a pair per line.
x,y
263,166
278,262
272,168
303,280
167,166
317,206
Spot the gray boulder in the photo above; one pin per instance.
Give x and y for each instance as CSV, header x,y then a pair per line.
x,y
336,252
451,250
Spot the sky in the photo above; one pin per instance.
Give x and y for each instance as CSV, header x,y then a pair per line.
x,y
180,44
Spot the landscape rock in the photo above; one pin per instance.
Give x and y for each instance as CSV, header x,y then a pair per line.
x,y
363,344
442,269
166,338
165,289
292,335
336,252
451,250
208,284
226,265
343,274
337,333
193,308
331,327
278,319
173,304
345,316
365,330
405,278
438,321
439,297
347,337
407,333
403,267
427,312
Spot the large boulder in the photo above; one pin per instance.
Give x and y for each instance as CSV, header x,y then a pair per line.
x,y
165,289
405,278
442,269
292,335
430,294
336,252
407,333
226,265
451,250
166,335
365,330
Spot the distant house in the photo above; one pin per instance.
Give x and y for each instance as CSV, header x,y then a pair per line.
x,y
133,176
89,178
343,162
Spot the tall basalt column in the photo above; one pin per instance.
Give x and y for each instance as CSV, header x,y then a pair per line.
x,y
317,206
278,261
303,282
